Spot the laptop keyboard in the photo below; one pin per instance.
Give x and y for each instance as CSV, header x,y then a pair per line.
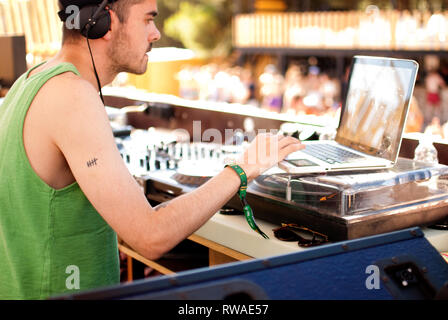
x,y
330,153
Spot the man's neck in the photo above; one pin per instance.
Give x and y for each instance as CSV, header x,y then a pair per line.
x,y
78,55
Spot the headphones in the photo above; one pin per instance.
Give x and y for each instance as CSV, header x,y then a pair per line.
x,y
94,19
94,23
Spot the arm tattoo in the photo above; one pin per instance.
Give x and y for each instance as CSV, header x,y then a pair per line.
x,y
162,205
92,162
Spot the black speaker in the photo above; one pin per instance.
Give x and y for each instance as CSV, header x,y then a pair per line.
x,y
12,59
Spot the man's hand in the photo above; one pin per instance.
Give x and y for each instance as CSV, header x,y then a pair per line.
x,y
265,151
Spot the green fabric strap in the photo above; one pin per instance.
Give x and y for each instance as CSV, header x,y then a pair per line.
x,y
248,213
243,178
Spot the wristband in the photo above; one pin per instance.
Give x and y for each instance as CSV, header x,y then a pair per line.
x,y
248,213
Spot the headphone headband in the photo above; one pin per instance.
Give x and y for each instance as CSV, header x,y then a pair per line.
x,y
81,3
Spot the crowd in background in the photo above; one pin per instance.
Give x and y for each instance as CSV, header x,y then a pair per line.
x,y
306,89
298,91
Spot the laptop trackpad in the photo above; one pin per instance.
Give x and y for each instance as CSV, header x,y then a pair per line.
x,y
301,162
300,165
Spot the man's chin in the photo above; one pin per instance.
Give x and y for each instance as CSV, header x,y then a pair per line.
x,y
142,69
138,71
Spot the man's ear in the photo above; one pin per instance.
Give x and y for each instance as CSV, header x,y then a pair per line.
x,y
114,22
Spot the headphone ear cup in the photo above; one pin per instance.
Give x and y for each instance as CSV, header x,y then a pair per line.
x,y
102,22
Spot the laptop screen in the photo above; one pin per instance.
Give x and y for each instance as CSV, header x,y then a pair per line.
x,y
373,118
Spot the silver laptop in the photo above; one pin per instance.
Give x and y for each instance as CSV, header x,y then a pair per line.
x,y
372,120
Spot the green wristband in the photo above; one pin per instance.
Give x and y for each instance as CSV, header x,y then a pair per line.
x,y
248,213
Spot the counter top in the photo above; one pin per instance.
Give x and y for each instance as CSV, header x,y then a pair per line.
x,y
232,231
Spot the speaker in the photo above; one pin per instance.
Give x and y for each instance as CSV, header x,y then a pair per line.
x,y
12,59
397,265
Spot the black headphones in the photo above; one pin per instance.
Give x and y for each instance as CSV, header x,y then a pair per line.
x,y
94,19
94,23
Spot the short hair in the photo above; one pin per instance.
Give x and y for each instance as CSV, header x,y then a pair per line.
x,y
120,7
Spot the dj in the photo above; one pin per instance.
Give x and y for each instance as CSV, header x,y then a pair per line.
x,y
65,193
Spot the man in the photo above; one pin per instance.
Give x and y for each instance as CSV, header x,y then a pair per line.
x,y
65,192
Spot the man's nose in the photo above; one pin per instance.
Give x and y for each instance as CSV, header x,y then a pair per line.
x,y
155,35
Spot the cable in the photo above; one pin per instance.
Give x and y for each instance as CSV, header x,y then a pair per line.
x,y
93,63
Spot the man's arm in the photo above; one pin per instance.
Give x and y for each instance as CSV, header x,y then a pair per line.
x,y
81,130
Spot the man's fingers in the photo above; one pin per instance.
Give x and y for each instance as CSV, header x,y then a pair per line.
x,y
280,136
287,141
289,149
268,149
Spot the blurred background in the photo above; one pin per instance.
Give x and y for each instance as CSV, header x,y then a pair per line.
x,y
281,56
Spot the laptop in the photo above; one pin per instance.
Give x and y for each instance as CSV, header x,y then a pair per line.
x,y
371,124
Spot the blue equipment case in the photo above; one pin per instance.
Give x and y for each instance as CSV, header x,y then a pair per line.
x,y
396,265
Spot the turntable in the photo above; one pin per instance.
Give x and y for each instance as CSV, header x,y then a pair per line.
x,y
355,205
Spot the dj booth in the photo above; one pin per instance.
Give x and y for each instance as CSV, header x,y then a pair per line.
x,y
386,228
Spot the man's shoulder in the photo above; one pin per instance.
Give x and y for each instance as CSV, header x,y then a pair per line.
x,y
68,103
69,97
70,89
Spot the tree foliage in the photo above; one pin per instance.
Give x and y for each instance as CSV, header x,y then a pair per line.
x,y
203,26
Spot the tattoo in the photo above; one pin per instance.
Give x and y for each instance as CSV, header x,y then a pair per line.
x,y
160,206
92,162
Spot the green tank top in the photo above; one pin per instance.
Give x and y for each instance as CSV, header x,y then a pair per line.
x,y
51,241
